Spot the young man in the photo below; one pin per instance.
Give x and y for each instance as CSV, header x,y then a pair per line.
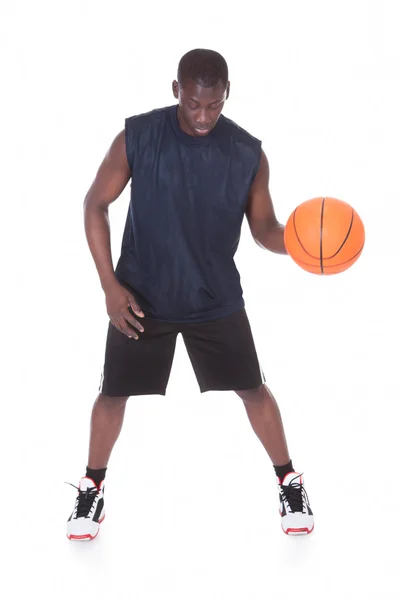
x,y
195,174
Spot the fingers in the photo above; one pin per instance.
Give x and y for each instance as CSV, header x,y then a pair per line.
x,y
124,328
127,315
125,322
135,307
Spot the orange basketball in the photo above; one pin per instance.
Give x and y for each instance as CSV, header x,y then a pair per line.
x,y
324,236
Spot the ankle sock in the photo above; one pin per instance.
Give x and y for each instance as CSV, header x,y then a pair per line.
x,y
96,474
282,471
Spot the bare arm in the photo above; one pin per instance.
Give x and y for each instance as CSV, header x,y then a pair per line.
x,y
110,181
264,226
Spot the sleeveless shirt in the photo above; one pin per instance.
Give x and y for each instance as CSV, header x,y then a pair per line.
x,y
188,200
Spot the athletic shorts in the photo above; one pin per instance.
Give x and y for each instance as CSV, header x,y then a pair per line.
x,y
221,351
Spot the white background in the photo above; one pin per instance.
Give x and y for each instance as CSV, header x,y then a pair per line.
x,y
192,507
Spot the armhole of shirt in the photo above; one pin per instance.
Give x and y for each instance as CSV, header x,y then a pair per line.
x,y
129,143
259,146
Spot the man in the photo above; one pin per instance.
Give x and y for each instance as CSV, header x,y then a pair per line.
x,y
195,174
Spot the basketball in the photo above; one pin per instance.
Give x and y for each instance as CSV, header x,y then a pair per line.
x,y
324,236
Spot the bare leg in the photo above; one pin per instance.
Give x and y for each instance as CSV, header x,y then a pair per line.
x,y
105,426
265,418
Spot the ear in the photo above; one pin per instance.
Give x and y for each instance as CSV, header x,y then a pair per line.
x,y
228,89
175,89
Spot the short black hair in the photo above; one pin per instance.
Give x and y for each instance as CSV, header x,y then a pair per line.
x,y
205,67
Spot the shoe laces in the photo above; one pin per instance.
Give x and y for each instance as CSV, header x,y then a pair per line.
x,y
84,501
294,494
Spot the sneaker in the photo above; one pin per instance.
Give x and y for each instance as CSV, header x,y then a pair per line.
x,y
84,522
297,516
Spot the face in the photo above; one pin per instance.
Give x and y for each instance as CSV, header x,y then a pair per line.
x,y
199,107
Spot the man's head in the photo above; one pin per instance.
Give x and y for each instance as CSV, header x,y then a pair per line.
x,y
201,90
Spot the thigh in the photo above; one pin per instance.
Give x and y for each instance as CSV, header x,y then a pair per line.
x,y
223,353
139,367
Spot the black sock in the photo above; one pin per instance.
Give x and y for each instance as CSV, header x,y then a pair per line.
x,y
284,470
96,474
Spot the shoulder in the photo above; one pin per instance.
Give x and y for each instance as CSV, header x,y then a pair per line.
x,y
231,127
246,145
142,129
155,116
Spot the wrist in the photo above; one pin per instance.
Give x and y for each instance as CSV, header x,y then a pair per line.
x,y
109,282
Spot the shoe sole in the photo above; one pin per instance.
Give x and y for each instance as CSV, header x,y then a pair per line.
x,y
299,531
86,537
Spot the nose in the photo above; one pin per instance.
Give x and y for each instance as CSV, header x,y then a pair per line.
x,y
203,120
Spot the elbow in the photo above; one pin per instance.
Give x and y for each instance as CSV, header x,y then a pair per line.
x,y
91,203
86,202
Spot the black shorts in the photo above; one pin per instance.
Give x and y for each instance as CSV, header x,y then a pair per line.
x,y
221,351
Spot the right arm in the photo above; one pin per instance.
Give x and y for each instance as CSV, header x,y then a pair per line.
x,y
109,183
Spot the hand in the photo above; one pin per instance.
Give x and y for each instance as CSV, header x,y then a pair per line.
x,y
118,301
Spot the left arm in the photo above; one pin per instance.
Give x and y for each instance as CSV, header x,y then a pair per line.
x,y
264,226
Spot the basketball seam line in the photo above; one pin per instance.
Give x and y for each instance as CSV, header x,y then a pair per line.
x,y
345,239
298,239
321,260
336,264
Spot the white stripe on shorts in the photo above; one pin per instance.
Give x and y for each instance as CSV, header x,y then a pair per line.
x,y
101,382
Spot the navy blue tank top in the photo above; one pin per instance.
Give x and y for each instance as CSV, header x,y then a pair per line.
x,y
188,200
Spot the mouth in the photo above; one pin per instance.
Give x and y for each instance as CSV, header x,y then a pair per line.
x,y
201,131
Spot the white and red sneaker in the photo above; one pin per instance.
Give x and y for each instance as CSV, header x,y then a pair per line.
x,y
84,522
295,510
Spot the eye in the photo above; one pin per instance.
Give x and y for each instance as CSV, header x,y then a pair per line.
x,y
192,107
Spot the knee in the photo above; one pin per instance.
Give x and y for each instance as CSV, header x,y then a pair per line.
x,y
253,396
112,401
